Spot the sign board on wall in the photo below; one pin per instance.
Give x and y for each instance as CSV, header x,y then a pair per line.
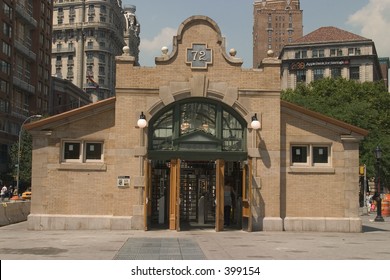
x,y
123,182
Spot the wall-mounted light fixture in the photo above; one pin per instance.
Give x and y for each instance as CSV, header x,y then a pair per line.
x,y
142,123
255,124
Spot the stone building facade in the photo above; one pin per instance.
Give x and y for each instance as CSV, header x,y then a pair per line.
x,y
208,122
87,35
334,53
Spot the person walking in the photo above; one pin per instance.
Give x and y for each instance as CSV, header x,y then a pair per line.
x,y
3,192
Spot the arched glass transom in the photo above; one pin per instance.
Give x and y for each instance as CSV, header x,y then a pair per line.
x,y
197,128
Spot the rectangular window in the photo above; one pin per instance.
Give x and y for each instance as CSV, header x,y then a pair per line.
x,y
93,151
357,51
82,151
318,73
301,76
336,73
72,151
320,155
354,73
6,49
299,155
310,155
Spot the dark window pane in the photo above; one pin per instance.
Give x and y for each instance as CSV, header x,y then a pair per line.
x,y
93,151
299,154
72,151
320,155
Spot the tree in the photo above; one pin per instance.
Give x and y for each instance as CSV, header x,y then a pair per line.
x,y
25,160
365,105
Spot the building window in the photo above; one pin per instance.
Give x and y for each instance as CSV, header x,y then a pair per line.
x,y
320,155
301,76
6,49
7,10
318,53
5,67
310,155
318,73
93,151
72,151
7,30
301,54
354,73
82,151
299,155
336,73
336,52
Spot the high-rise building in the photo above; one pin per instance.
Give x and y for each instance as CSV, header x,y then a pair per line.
x,y
25,66
87,35
276,23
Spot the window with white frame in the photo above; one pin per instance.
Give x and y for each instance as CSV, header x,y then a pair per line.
x,y
310,155
82,151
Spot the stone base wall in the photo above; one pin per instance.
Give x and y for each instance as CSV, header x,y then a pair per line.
x,y
14,212
323,224
83,222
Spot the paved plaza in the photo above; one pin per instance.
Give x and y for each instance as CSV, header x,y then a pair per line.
x,y
18,243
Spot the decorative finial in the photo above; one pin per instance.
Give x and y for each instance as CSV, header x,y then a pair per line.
x,y
232,52
270,53
126,50
164,50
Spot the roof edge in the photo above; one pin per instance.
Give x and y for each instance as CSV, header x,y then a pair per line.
x,y
67,114
325,118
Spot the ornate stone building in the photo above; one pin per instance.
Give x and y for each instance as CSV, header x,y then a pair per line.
x,y
87,35
157,155
330,52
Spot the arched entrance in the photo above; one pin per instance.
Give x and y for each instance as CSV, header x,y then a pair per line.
x,y
194,146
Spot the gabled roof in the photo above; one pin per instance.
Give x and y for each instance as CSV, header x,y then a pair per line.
x,y
324,118
72,115
329,34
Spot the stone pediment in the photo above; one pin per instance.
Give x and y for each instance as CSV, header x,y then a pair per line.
x,y
199,43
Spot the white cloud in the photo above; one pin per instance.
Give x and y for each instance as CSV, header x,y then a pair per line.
x,y
152,47
374,21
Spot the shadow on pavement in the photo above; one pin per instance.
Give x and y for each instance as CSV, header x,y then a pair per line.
x,y
371,229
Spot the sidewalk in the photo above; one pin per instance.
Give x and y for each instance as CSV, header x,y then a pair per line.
x,y
373,243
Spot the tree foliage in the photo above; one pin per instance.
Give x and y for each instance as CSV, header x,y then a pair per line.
x,y
25,160
366,105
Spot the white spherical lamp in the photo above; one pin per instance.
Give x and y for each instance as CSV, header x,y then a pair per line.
x,y
142,123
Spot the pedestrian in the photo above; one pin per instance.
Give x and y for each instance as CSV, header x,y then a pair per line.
x,y
368,199
10,191
3,192
228,191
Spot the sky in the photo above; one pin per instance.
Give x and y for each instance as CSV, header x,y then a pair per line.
x,y
160,20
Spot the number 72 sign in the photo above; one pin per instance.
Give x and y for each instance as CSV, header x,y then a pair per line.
x,y
199,56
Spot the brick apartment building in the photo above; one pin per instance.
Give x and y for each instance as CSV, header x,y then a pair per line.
x,y
25,67
276,23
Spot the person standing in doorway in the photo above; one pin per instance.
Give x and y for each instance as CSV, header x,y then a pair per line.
x,y
228,191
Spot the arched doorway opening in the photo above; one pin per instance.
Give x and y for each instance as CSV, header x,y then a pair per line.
x,y
194,146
